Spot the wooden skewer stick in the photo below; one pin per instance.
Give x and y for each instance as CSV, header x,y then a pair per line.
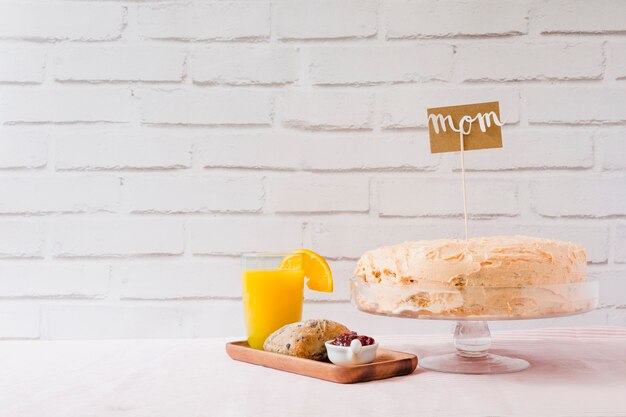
x,y
464,187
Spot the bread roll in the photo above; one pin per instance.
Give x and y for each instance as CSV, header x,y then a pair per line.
x,y
304,339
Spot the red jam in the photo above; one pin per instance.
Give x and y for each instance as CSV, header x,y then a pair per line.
x,y
345,339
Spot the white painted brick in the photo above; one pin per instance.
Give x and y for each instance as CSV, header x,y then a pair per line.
x,y
611,149
314,152
61,21
19,321
23,148
113,322
620,243
231,323
192,194
101,149
75,237
526,149
328,110
21,239
206,108
259,150
405,107
444,197
196,279
618,60
611,286
576,104
66,105
21,65
233,236
580,16
119,63
593,237
579,196
530,61
245,65
364,153
351,238
209,21
179,269
59,194
53,280
326,19
318,194
380,64
427,19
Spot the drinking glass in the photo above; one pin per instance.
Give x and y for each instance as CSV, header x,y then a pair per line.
x,y
273,292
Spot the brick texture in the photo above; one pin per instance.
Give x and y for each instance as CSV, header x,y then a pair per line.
x,y
324,110
579,16
66,106
425,19
116,237
405,197
145,145
611,150
100,150
577,105
188,195
61,21
22,65
60,194
531,62
136,63
205,108
245,66
372,65
589,197
321,195
326,19
210,21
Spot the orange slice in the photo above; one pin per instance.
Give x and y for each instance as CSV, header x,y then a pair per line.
x,y
316,269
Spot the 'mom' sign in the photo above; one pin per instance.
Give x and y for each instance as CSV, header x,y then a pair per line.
x,y
479,124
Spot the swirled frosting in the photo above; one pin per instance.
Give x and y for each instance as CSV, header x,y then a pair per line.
x,y
500,276
507,261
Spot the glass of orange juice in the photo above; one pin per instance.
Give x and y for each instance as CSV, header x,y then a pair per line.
x,y
273,292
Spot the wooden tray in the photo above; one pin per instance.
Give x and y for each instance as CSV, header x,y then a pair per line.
x,y
388,363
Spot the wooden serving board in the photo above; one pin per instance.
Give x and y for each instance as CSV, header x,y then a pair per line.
x,y
388,363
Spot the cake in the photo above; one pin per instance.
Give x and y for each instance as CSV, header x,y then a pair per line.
x,y
500,276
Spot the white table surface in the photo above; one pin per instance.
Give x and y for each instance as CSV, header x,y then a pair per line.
x,y
578,372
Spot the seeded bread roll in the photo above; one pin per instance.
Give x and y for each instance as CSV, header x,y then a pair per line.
x,y
304,339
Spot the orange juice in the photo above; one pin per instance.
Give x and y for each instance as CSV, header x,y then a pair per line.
x,y
271,299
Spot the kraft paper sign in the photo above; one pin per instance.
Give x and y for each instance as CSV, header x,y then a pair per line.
x,y
480,124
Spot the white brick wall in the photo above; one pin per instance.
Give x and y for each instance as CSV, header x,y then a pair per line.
x,y
256,65
326,19
379,64
134,63
145,145
428,19
212,21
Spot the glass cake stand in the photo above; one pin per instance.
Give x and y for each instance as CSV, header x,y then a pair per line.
x,y
473,307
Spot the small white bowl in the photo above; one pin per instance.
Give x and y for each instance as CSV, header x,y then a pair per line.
x,y
355,354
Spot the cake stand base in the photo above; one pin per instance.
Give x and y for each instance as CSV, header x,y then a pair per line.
x,y
472,340
488,364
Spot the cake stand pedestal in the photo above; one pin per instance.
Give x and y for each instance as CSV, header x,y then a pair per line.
x,y
472,341
472,307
